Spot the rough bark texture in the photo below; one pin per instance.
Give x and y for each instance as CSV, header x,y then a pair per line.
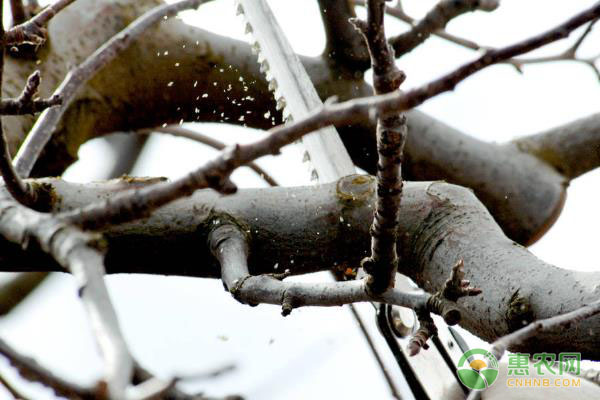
x,y
313,229
112,102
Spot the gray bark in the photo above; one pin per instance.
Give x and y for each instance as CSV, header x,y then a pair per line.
x,y
308,229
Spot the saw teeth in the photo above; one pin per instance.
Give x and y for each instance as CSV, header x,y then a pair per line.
x,y
273,85
255,48
306,157
280,104
248,28
264,66
239,10
314,176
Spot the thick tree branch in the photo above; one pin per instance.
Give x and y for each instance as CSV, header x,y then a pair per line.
x,y
104,106
344,45
77,252
440,222
76,78
572,149
215,174
435,20
566,320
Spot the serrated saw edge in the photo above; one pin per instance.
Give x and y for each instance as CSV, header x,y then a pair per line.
x,y
293,90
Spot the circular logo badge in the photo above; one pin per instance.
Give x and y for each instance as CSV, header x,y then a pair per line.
x,y
477,369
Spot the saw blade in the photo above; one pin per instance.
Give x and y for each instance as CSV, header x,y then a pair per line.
x,y
293,90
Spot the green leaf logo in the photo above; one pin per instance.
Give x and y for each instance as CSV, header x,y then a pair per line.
x,y
477,369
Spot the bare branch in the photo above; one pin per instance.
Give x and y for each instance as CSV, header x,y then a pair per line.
x,y
427,330
572,149
517,63
229,245
343,44
435,20
19,190
139,203
33,31
441,222
29,369
26,103
76,78
179,131
78,253
382,265
560,321
17,288
520,336
14,392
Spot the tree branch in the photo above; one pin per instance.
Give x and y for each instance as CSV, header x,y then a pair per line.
x,y
76,78
520,336
103,106
179,131
33,31
344,45
77,252
215,174
572,149
517,63
435,20
229,245
441,222
382,264
29,369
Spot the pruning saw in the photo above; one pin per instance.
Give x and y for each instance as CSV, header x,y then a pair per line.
x,y
296,97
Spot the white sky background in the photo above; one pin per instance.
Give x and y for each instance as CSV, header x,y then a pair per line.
x,y
181,325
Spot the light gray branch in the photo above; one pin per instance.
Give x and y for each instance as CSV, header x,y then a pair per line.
x,y
47,122
78,253
442,224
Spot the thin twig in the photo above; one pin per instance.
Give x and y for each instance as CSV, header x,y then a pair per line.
x,y
47,122
435,20
14,392
139,203
517,63
26,103
20,191
455,287
17,288
29,369
33,31
179,131
500,346
382,264
16,187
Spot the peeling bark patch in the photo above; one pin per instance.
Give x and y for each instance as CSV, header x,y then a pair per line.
x,y
519,312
